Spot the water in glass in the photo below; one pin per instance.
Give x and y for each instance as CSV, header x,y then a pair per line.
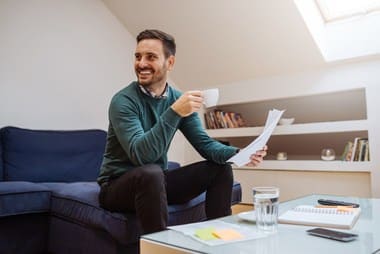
x,y
266,204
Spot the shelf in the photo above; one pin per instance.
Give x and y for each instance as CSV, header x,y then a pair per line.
x,y
327,120
305,128
311,165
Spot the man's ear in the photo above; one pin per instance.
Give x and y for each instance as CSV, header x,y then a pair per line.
x,y
171,61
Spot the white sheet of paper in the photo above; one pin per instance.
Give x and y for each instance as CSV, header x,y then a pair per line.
x,y
245,230
242,158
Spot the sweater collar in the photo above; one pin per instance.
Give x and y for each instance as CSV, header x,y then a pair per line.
x,y
164,95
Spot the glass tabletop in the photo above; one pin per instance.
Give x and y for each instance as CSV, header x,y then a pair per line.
x,y
289,238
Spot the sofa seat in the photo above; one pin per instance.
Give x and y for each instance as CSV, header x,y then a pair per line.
x,y
193,211
24,214
78,203
18,197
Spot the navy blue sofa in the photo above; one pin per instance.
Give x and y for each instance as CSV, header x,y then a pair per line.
x,y
49,196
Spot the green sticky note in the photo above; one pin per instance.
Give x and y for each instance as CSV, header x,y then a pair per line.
x,y
205,234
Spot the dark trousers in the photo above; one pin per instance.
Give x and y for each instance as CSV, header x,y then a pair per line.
x,y
147,190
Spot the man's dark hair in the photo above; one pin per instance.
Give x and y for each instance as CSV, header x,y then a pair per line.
x,y
168,41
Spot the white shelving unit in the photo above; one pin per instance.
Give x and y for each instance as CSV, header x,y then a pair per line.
x,y
307,128
314,165
355,126
327,120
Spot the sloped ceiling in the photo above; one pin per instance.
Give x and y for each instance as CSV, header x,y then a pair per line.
x,y
224,41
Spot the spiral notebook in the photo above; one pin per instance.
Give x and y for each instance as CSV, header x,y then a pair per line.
x,y
337,217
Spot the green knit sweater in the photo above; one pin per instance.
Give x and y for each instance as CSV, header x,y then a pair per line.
x,y
141,128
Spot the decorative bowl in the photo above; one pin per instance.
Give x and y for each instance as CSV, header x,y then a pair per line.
x,y
286,121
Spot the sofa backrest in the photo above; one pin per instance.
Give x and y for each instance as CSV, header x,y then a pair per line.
x,y
1,160
52,156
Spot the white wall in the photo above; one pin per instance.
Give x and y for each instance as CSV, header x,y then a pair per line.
x,y
60,63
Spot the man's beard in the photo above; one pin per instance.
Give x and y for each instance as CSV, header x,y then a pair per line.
x,y
154,78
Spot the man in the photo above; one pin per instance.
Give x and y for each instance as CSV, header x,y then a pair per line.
x,y
143,118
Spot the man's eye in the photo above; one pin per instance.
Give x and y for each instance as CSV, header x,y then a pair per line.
x,y
151,57
137,57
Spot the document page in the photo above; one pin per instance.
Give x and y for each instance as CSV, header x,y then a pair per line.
x,y
217,232
242,158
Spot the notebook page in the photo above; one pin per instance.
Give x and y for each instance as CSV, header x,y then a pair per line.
x,y
322,217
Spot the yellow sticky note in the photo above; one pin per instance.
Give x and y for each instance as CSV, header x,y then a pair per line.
x,y
205,233
227,234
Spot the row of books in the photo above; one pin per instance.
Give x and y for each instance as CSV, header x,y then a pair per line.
x,y
217,119
357,150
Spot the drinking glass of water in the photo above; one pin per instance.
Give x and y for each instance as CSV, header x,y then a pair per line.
x,y
265,200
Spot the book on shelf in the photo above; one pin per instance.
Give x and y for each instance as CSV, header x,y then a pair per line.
x,y
366,153
363,147
334,217
218,119
347,152
354,147
357,150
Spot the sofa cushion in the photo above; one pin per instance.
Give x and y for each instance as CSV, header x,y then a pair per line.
x,y
24,234
22,198
78,203
52,156
236,193
173,165
1,160
193,211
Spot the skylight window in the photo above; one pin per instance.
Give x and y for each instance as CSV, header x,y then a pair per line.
x,y
333,10
356,35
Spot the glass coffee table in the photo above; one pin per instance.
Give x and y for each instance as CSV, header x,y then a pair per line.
x,y
291,239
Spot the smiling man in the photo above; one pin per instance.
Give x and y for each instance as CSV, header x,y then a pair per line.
x,y
143,118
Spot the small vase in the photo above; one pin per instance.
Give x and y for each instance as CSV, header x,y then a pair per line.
x,y
328,154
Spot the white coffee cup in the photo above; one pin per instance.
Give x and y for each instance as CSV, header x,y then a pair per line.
x,y
210,97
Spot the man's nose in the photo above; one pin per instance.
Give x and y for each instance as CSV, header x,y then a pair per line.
x,y
142,62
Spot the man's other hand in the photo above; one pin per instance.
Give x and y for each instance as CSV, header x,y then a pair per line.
x,y
257,157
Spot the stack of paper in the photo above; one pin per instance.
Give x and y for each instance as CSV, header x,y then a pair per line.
x,y
242,158
216,232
